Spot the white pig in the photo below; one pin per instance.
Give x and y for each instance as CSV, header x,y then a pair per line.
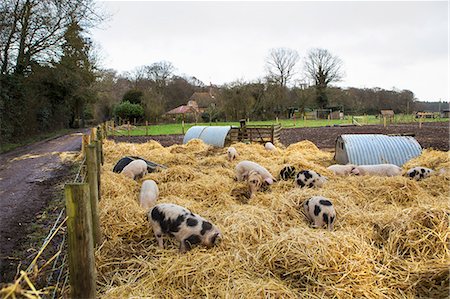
x,y
232,153
269,146
341,169
149,194
136,169
243,168
378,170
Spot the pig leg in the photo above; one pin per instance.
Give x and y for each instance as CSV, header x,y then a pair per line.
x,y
187,243
158,235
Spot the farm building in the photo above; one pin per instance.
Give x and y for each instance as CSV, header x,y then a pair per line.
x,y
445,113
368,149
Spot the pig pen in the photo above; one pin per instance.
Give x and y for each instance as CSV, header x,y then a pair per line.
x,y
390,240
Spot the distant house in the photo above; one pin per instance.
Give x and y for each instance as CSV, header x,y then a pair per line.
x,y
190,110
204,99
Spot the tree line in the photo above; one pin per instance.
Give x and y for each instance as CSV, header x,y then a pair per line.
x,y
50,79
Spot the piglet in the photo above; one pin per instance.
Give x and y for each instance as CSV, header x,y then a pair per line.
x,y
418,173
320,212
269,146
310,178
243,168
254,182
377,169
288,172
341,169
149,194
188,228
135,170
232,153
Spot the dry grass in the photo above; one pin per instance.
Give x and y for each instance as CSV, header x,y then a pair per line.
x,y
390,241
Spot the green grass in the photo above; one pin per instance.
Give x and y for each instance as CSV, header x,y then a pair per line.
x,y
12,145
168,129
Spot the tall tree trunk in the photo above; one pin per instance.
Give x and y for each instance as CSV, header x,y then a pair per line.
x,y
26,13
4,68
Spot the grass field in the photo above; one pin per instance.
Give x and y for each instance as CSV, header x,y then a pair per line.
x,y
167,129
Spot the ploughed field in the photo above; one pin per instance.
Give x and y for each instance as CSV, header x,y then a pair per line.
x,y
431,135
390,239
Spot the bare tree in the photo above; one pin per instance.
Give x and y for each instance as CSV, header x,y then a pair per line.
x,y
280,65
33,30
160,72
323,68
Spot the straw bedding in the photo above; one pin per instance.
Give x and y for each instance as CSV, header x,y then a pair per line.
x,y
391,238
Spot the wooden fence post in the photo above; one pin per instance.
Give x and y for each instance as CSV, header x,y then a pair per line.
x,y
98,151
84,143
384,121
182,127
80,243
129,128
93,133
91,159
113,127
146,128
420,122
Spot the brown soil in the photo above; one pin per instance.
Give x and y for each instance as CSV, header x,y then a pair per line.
x,y
431,135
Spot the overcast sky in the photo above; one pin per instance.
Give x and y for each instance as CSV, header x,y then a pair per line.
x,y
382,44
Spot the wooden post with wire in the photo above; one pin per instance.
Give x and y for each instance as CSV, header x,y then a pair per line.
x,y
146,128
420,122
112,127
91,162
80,243
129,128
384,121
182,126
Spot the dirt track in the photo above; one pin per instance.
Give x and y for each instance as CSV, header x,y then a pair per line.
x,y
29,178
435,135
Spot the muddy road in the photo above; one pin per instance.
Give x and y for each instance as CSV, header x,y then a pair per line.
x,y
30,177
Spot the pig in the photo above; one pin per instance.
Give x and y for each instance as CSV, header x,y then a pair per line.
x,y
188,228
310,178
149,194
254,182
232,153
135,170
377,169
243,168
288,172
320,212
419,173
341,169
269,146
123,162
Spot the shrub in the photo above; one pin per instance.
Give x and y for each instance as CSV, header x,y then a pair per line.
x,y
129,111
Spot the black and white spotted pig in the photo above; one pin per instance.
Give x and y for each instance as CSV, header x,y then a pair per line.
x,y
288,172
185,226
320,212
310,178
419,173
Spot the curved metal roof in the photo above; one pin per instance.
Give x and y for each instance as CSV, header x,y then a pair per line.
x,y
368,149
213,135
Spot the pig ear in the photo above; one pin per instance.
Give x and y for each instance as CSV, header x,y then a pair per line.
x,y
269,181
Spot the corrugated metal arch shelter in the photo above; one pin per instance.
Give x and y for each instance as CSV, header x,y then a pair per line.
x,y
369,149
212,135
